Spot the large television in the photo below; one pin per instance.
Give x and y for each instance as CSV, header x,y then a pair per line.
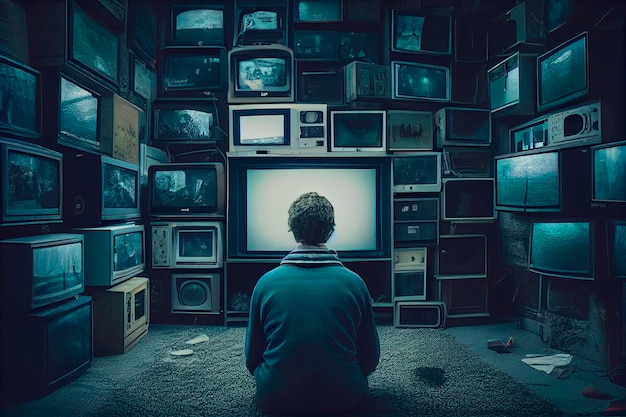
x,y
189,189
20,99
421,32
609,173
193,121
50,269
358,130
100,189
261,189
420,81
562,248
260,74
114,253
264,22
194,24
192,71
616,247
563,73
31,183
49,348
416,172
187,244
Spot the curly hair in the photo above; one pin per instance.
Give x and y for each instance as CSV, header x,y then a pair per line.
x,y
311,219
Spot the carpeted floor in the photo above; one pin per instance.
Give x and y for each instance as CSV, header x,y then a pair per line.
x,y
425,372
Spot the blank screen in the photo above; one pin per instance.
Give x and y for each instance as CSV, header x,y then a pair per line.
x,y
561,248
352,192
609,173
563,72
265,129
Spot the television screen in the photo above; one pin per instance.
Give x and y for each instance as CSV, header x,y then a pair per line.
x,y
197,25
467,199
417,172
187,70
358,189
318,11
421,32
129,252
187,189
93,45
416,81
257,24
617,248
261,74
556,13
358,130
119,187
78,116
184,122
562,248
609,172
528,182
19,99
142,28
563,73
260,128
462,255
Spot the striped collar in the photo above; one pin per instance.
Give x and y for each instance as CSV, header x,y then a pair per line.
x,y
311,257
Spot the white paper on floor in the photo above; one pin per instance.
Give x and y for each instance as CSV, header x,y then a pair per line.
x,y
548,363
198,339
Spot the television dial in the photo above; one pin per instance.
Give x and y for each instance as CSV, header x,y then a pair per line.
x,y
311,116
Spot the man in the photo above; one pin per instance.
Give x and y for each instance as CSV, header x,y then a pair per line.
x,y
311,339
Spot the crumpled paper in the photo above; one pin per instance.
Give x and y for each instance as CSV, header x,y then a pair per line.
x,y
548,363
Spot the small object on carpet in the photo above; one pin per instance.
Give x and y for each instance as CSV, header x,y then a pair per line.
x,y
198,339
596,394
182,352
500,345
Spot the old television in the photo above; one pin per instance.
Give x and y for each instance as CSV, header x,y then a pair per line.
x,y
20,104
142,29
190,24
192,71
115,253
187,244
359,189
563,73
106,190
196,293
512,85
358,130
467,200
319,84
416,172
49,348
609,173
462,256
260,74
409,130
522,26
616,247
419,81
121,316
278,128
189,189
562,248
264,22
318,11
421,32
467,162
31,183
41,270
458,126
190,121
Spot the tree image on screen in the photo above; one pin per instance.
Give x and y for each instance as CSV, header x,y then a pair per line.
x,y
119,187
185,188
33,182
259,74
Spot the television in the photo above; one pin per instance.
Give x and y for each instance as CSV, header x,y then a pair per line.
x,y
316,45
421,32
40,270
512,85
264,22
562,248
31,183
142,30
409,278
260,74
190,24
107,189
409,130
49,348
419,81
318,11
557,13
20,99
196,293
358,130
115,253
121,316
192,121
563,73
358,187
462,256
187,244
416,172
458,126
467,162
609,173
189,189
467,200
192,71
528,182
616,247
278,128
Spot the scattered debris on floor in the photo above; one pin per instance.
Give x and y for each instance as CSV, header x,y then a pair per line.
x,y
547,363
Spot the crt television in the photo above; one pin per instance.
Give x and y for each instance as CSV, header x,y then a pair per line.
x,y
194,25
563,73
196,293
265,22
609,173
616,247
416,172
358,187
462,256
20,105
358,130
421,32
562,248
193,121
467,200
192,71
187,189
420,81
31,186
187,244
50,269
261,74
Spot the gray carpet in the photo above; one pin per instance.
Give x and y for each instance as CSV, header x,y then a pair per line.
x,y
425,372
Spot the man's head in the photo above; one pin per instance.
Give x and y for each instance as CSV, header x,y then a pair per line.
x,y
311,219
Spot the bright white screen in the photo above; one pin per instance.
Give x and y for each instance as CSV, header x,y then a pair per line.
x,y
352,192
264,129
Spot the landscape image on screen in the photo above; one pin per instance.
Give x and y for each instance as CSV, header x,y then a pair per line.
x,y
78,118
260,74
266,129
33,182
185,188
199,26
183,124
119,188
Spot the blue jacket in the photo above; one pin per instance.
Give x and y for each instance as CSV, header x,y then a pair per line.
x,y
311,339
